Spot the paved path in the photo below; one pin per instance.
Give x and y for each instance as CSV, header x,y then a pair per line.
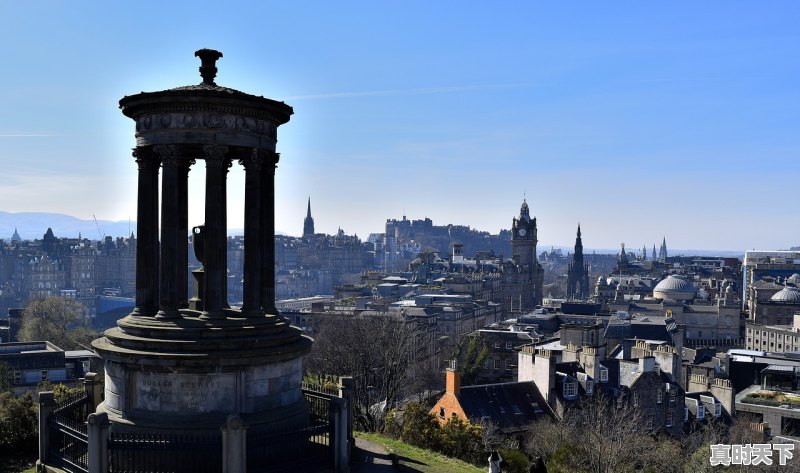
x,y
370,457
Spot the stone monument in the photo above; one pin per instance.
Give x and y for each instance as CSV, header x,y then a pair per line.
x,y
175,365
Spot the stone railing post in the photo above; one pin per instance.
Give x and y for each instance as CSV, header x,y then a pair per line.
x,y
46,405
234,445
97,432
93,383
346,387
339,440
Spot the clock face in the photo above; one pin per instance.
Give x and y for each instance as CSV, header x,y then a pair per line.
x,y
522,232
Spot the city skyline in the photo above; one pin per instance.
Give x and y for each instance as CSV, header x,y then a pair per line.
x,y
638,122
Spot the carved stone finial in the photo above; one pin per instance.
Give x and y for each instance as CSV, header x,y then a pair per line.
x,y
208,67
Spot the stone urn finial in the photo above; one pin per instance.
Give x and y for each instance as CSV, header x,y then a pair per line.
x,y
208,67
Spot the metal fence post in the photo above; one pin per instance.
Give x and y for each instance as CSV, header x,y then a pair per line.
x,y
46,405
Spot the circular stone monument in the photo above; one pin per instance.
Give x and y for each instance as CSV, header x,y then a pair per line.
x,y
176,364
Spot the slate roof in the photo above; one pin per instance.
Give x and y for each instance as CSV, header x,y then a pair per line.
x,y
512,406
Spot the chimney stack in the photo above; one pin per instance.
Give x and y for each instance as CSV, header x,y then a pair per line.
x,y
452,379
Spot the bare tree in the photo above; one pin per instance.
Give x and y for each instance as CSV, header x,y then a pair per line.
x,y
57,321
380,351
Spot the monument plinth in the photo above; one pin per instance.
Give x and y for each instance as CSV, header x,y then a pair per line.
x,y
172,365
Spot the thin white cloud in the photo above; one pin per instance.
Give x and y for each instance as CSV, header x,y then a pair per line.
x,y
413,91
24,134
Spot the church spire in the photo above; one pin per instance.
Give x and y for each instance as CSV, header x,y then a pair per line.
x,y
308,223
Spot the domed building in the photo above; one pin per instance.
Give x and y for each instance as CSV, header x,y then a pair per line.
x,y
675,287
787,295
779,309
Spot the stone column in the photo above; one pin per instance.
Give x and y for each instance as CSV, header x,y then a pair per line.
x,y
171,234
97,425
346,386
93,384
146,233
183,242
46,405
251,305
216,239
268,232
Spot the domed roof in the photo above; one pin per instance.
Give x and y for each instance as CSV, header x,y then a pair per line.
x,y
787,294
674,284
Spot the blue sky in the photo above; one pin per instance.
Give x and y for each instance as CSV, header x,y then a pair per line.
x,y
636,119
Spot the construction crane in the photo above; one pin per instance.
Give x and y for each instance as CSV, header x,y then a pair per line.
x,y
102,237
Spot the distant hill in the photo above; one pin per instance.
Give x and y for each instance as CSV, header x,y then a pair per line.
x,y
33,225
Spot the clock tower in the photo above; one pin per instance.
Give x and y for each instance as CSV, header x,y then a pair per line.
x,y
524,238
523,276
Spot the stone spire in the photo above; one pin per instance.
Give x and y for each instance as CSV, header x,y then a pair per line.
x,y
308,223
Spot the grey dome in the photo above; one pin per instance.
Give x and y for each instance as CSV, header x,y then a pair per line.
x,y
675,287
787,294
675,284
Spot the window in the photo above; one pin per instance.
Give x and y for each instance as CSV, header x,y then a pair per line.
x,y
669,419
671,399
603,375
497,345
650,421
589,386
570,389
660,397
635,399
508,345
441,412
44,375
497,363
685,414
17,377
717,410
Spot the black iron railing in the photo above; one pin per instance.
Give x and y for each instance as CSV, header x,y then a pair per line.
x,y
178,453
278,451
68,446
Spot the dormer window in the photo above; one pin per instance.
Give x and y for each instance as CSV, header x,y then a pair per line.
x,y
717,410
603,375
701,412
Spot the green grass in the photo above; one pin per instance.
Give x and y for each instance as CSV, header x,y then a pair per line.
x,y
418,459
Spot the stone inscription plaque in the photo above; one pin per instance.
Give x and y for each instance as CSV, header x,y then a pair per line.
x,y
160,392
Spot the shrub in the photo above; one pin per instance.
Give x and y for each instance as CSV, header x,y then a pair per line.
x,y
18,422
514,461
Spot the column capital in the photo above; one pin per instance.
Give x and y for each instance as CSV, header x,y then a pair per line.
x,y
170,155
252,161
145,158
215,156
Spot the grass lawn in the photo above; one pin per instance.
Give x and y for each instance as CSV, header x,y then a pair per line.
x,y
418,459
